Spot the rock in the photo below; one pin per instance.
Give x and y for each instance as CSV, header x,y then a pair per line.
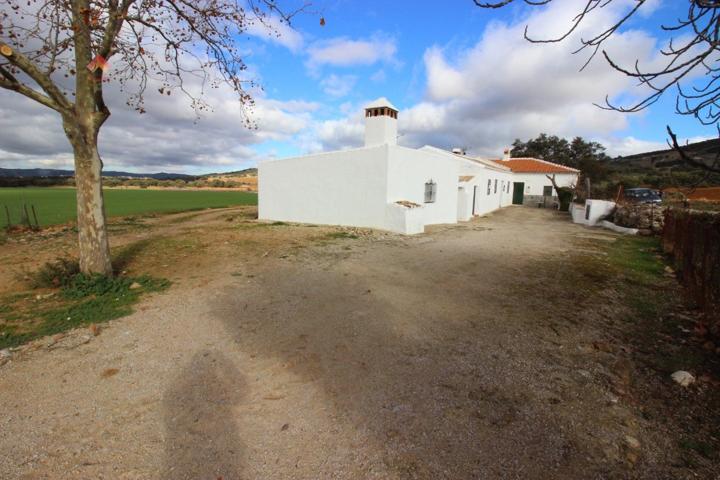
x,y
632,442
669,270
5,353
135,286
95,329
612,399
684,378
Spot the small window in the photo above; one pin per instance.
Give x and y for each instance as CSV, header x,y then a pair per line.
x,y
495,191
547,191
489,186
430,191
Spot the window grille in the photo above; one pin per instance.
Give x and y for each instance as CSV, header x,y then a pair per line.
x,y
489,186
495,191
547,191
430,191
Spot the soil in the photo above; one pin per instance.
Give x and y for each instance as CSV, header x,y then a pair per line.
x,y
288,351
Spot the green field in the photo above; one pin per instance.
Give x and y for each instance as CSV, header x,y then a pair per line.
x,y
57,205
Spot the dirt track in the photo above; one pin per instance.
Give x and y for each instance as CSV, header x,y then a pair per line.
x,y
436,356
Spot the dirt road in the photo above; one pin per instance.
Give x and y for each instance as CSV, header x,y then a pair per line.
x,y
457,354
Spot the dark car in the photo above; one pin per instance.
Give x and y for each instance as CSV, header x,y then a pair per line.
x,y
642,195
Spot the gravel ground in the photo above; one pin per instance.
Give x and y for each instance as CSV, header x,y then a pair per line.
x,y
435,356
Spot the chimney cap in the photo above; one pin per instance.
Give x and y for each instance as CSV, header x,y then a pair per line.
x,y
380,103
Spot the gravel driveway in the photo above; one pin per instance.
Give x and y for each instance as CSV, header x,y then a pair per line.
x,y
435,356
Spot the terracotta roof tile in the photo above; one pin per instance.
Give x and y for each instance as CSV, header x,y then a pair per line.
x,y
534,165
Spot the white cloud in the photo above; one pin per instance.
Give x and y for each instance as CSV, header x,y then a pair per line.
x,y
346,52
503,87
274,30
338,85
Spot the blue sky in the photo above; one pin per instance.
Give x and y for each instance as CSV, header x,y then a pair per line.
x,y
460,75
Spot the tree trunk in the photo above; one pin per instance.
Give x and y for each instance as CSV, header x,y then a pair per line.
x,y
92,232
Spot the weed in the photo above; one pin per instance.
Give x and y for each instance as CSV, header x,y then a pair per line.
x,y
341,234
83,300
57,273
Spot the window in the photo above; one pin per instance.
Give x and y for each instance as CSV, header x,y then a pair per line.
x,y
430,191
489,186
547,191
495,186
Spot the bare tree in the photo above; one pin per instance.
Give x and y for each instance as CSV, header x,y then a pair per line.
x,y
58,53
693,49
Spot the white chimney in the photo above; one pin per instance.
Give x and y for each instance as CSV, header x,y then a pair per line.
x,y
380,123
507,153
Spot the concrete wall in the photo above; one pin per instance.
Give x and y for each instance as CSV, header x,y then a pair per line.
x,y
336,188
592,212
408,170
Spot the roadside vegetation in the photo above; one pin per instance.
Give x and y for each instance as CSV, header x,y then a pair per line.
x,y
61,298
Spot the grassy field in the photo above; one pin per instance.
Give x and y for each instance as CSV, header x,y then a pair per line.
x,y
57,205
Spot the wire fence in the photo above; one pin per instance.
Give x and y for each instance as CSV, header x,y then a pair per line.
x,y
20,216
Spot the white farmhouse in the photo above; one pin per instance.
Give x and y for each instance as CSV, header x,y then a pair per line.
x,y
531,185
382,185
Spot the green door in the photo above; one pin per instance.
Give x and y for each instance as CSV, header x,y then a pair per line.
x,y
518,192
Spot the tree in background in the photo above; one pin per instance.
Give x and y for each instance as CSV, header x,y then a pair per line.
x,y
693,52
588,157
64,54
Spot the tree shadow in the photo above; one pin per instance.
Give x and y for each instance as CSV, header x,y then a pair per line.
x,y
123,256
202,439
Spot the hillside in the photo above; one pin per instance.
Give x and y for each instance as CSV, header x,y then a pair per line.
x,y
706,151
49,172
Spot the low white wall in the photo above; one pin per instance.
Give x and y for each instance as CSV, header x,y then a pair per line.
x,y
336,188
400,219
592,212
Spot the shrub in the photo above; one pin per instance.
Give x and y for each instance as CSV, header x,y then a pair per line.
x,y
57,273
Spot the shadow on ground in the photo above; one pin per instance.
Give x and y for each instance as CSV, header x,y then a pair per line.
x,y
423,353
202,438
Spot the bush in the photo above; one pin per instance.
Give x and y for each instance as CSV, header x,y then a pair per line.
x,y
57,273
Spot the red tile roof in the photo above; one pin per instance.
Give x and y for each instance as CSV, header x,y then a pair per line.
x,y
534,165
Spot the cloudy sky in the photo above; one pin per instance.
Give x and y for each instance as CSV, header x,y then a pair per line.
x,y
461,77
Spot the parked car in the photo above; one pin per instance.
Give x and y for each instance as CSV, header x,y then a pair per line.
x,y
643,195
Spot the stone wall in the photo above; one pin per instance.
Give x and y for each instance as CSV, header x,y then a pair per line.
x,y
647,217
693,239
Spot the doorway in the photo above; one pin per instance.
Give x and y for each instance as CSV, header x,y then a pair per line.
x,y
518,192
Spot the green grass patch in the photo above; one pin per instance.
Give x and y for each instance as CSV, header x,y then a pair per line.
x,y
81,300
340,235
58,205
637,258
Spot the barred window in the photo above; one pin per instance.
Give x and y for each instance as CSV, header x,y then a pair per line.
x,y
489,186
495,186
430,191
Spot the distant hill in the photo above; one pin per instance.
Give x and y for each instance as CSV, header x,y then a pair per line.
x,y
248,172
706,151
49,172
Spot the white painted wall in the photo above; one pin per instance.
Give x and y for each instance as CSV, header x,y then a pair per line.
x,y
335,188
534,182
380,130
591,213
408,170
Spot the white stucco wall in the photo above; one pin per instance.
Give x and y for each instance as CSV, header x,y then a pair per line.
x,y
335,188
409,169
534,182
